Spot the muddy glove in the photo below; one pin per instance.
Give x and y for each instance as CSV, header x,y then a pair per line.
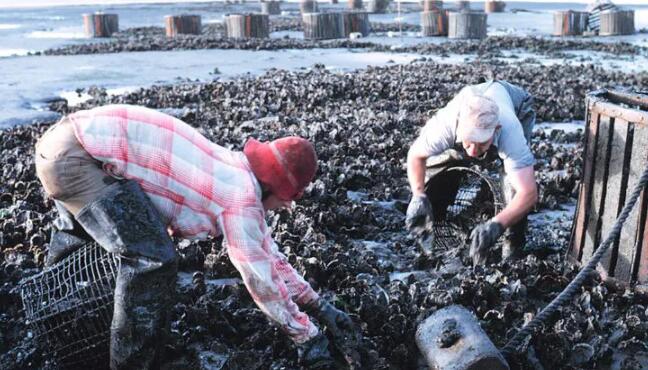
x,y
314,354
419,212
337,322
483,237
347,338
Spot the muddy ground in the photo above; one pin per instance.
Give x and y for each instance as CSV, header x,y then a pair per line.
x,y
346,236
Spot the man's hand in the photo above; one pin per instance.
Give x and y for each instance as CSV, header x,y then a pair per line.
x,y
314,354
483,237
347,338
419,212
337,322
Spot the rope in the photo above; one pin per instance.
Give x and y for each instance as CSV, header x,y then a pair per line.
x,y
573,287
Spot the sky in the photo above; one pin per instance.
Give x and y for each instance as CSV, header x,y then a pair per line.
x,y
44,3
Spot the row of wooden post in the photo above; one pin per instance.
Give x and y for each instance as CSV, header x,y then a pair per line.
x,y
104,25
613,22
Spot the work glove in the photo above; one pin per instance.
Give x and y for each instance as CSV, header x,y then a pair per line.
x,y
336,321
314,353
483,237
419,212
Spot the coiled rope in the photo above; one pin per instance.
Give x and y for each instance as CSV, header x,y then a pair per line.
x,y
573,287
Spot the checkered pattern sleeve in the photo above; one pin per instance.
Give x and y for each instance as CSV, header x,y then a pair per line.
x,y
269,278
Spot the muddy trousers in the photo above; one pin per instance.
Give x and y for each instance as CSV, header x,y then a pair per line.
x,y
124,222
121,218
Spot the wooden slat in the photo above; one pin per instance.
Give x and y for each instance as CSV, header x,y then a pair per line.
x,y
641,257
616,180
628,239
592,237
586,186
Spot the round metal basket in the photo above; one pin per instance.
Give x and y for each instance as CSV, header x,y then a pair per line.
x,y
461,199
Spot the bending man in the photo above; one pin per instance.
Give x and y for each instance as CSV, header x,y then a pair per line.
x,y
124,175
492,116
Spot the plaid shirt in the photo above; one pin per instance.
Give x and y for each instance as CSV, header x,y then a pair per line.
x,y
200,189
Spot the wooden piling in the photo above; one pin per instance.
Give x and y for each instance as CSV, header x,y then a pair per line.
x,y
616,147
494,6
463,5
434,23
570,23
377,6
100,24
308,6
242,26
432,5
182,24
356,22
617,22
322,26
354,4
270,7
467,25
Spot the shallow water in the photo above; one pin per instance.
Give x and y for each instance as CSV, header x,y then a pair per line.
x,y
27,82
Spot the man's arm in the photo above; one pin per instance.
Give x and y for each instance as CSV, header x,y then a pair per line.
x,y
526,195
416,171
249,247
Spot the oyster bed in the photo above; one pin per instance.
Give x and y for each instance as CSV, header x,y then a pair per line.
x,y
347,235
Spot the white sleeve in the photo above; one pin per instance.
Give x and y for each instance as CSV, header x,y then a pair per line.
x,y
440,132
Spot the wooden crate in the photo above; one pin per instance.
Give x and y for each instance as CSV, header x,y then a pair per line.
x,y
182,24
617,22
354,4
570,23
377,6
432,5
616,153
271,7
323,26
242,26
494,6
463,4
434,23
100,24
467,25
308,6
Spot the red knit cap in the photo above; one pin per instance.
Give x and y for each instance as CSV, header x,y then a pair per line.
x,y
286,166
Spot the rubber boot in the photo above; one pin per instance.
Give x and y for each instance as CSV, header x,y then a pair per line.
x,y
67,236
124,221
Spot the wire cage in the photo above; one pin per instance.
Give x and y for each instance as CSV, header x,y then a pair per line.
x,y
69,307
461,198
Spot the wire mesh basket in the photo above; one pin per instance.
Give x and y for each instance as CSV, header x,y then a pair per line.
x,y
69,307
461,198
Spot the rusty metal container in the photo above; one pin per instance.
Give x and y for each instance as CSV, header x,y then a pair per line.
x,y
616,153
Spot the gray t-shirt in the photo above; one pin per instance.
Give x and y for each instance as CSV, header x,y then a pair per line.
x,y
440,132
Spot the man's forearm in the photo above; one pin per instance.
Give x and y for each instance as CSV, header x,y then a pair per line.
x,y
416,173
520,206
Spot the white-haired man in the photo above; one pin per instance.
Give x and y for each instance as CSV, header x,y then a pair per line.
x,y
492,116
